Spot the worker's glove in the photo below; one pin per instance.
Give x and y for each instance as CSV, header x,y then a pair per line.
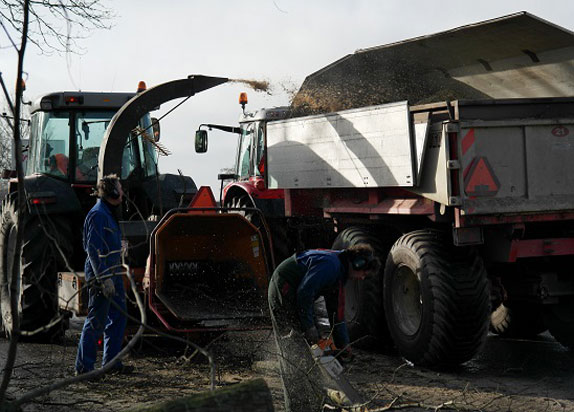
x,y
312,335
108,288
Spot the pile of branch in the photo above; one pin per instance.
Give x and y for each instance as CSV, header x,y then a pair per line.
x,y
250,396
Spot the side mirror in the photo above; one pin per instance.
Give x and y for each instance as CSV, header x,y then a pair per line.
x,y
155,128
201,141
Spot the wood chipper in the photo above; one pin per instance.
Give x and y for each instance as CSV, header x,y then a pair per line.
x,y
208,269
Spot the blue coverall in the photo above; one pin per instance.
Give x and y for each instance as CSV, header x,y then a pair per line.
x,y
102,243
325,276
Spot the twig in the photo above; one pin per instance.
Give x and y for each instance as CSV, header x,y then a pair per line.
x,y
97,372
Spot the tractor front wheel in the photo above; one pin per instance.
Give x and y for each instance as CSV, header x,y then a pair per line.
x,y
46,240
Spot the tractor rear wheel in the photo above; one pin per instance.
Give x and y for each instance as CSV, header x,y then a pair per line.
x,y
436,299
363,299
38,260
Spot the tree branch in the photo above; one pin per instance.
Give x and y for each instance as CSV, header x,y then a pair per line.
x,y
15,278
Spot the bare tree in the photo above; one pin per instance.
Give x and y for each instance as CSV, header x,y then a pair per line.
x,y
7,138
54,25
34,21
15,269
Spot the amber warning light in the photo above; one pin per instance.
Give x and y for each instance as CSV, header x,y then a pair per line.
x,y
142,87
242,99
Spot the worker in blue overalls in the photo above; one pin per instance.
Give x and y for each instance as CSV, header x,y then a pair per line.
x,y
293,289
107,299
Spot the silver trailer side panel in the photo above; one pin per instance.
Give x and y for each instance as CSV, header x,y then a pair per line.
x,y
511,157
527,167
368,147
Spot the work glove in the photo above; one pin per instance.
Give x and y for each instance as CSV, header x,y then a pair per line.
x,y
108,288
312,335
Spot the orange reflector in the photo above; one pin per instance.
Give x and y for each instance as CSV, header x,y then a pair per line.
x,y
481,180
203,198
243,98
74,100
42,201
142,87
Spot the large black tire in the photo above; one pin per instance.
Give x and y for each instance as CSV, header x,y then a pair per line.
x,y
436,299
363,299
39,260
560,321
518,320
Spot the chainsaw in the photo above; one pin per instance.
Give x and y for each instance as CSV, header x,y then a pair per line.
x,y
342,392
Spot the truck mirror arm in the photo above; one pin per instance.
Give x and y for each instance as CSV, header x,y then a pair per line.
x,y
229,129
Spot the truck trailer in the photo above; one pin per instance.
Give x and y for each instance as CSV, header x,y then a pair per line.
x,y
452,155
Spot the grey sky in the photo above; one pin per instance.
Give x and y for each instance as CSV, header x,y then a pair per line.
x,y
276,40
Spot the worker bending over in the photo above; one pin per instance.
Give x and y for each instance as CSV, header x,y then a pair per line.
x,y
294,287
107,298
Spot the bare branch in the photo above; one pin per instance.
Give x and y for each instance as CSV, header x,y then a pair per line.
x,y
15,278
51,22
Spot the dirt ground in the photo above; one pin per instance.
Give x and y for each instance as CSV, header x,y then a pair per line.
x,y
508,375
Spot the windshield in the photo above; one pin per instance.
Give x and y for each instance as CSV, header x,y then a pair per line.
x,y
50,151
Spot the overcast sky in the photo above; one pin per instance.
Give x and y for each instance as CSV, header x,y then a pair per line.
x,y
275,40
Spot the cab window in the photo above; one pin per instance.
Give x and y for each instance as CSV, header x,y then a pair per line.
x,y
259,159
245,148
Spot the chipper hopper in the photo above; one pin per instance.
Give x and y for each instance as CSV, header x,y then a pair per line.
x,y
208,269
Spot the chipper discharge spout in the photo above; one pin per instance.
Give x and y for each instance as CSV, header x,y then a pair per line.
x,y
208,271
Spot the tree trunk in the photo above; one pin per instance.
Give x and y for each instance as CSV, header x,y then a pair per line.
x,y
250,396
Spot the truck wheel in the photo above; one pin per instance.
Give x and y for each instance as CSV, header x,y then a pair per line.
x,y
363,306
517,320
243,201
560,321
436,299
38,262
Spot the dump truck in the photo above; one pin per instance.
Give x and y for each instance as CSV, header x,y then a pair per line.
x,y
76,138
452,155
